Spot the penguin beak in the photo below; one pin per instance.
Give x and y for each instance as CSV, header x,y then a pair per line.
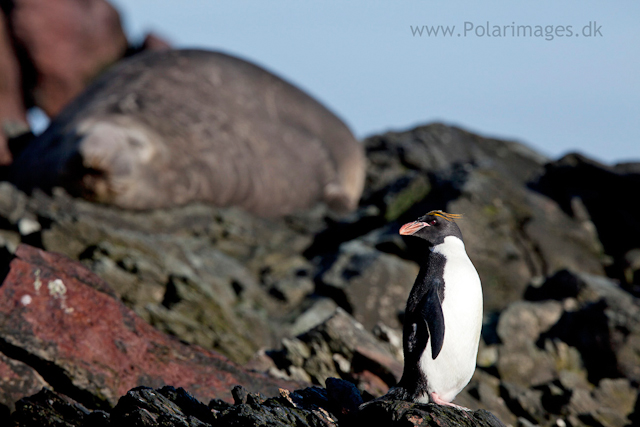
x,y
412,227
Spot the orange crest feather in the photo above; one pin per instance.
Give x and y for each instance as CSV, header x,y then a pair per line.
x,y
445,215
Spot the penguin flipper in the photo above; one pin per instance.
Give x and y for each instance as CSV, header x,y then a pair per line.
x,y
431,309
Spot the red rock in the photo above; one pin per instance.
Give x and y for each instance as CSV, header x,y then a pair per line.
x,y
12,110
68,43
155,42
385,362
371,383
17,380
62,315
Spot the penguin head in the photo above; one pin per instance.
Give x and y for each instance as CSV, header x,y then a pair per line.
x,y
433,227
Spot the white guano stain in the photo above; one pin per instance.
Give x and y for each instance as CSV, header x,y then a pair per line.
x,y
58,290
37,284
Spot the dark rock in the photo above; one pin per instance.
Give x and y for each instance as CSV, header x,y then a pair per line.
x,y
163,407
523,322
187,403
604,327
590,332
604,192
287,279
398,413
97,418
169,127
435,148
218,405
632,270
339,347
271,414
563,284
300,408
400,195
144,407
319,310
635,416
47,408
310,397
555,397
343,396
484,392
239,394
371,285
611,404
520,360
572,346
392,337
512,233
616,400
523,402
628,356
53,318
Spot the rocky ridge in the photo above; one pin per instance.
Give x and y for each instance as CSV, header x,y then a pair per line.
x,y
313,406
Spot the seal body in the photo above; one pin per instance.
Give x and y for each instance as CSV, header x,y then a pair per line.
x,y
443,318
167,128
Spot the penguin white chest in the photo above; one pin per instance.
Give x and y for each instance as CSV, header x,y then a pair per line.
x,y
452,369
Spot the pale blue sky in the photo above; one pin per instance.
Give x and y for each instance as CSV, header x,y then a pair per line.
x,y
360,58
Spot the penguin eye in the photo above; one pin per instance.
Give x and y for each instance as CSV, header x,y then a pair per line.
x,y
432,222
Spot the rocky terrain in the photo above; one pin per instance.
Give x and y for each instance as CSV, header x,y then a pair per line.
x,y
287,303
196,315
313,406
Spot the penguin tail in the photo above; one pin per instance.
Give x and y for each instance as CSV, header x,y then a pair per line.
x,y
397,393
394,393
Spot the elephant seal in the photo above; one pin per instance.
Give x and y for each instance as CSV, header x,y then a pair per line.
x,y
166,128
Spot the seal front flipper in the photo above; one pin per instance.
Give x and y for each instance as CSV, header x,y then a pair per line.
x,y
431,309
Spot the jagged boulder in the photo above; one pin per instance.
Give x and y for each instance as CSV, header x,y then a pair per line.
x,y
225,279
372,285
235,295
339,347
592,192
337,405
520,360
513,233
65,323
568,351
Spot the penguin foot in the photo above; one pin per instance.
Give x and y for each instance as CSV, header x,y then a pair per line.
x,y
436,399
